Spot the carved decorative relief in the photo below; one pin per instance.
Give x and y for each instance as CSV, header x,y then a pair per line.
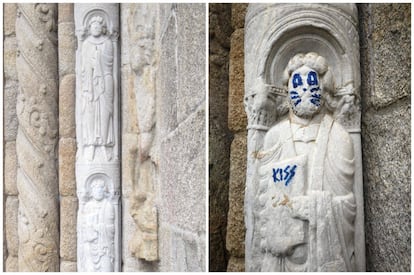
x,y
36,64
143,58
304,202
97,128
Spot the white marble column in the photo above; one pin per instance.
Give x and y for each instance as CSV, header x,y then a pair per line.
x,y
97,131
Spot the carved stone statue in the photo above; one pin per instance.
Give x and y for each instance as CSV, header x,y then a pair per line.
x,y
98,229
97,132
305,206
97,89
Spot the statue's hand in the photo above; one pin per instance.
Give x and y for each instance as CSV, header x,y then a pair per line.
x,y
345,105
300,207
91,234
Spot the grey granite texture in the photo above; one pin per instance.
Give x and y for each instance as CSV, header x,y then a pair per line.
x,y
219,134
386,125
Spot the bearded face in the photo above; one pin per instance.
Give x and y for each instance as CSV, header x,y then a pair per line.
x,y
305,92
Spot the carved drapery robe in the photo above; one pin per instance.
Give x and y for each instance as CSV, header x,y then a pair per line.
x,y
308,226
98,224
97,91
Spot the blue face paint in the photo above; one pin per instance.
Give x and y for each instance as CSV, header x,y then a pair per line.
x,y
316,99
315,89
297,102
293,95
312,78
297,80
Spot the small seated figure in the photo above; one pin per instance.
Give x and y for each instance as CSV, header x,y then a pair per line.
x,y
305,206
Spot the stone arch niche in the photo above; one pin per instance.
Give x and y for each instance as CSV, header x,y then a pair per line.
x,y
274,34
97,134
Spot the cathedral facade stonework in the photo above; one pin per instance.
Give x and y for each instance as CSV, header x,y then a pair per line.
x,y
91,90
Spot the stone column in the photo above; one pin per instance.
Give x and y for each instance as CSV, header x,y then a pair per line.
x,y
97,131
385,31
10,90
219,134
37,184
67,138
238,150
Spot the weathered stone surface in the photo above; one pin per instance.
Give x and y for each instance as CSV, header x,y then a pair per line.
x,y
183,174
168,80
131,263
67,156
218,255
129,162
10,87
9,58
219,134
238,13
12,238
67,47
66,106
9,18
10,168
237,115
236,265
65,11
36,141
386,129
235,223
12,264
128,99
187,252
10,117
219,26
387,188
192,58
67,266
164,236
390,34
68,218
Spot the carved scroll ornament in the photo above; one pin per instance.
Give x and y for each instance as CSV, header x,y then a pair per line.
x,y
36,64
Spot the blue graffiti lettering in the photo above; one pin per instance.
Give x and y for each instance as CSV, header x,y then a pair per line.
x,y
289,173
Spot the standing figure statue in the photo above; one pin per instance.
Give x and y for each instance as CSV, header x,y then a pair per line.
x,y
97,90
305,206
98,230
